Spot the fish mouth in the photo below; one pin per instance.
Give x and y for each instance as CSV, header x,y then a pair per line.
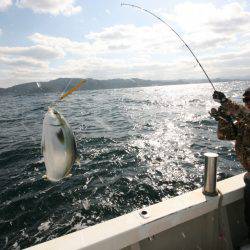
x,y
53,111
54,117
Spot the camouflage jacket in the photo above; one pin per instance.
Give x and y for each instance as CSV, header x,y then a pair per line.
x,y
238,131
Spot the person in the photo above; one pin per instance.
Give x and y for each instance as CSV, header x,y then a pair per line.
x,y
234,124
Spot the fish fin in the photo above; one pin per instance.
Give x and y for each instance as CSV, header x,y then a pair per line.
x,y
68,175
78,160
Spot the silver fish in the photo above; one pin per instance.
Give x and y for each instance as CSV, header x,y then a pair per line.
x,y
58,146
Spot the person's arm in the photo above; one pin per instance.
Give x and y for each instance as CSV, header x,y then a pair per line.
x,y
226,128
230,107
233,108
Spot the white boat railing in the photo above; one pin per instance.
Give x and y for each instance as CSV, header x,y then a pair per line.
x,y
131,228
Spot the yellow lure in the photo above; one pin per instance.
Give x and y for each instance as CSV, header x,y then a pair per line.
x,y
72,90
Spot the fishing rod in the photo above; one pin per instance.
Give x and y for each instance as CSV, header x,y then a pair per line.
x,y
151,13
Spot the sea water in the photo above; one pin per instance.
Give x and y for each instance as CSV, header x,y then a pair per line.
x,y
138,146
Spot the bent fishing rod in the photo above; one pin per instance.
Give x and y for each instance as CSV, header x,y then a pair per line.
x,y
151,13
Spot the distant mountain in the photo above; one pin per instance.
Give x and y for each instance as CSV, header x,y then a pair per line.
x,y
60,84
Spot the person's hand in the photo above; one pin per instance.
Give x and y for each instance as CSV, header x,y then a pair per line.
x,y
214,113
219,97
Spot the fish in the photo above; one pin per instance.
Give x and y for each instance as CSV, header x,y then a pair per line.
x,y
58,146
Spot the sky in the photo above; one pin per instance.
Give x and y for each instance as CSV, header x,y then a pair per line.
x,y
48,39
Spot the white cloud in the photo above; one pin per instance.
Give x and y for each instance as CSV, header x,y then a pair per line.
x,y
231,19
5,4
108,68
114,33
115,41
108,11
22,62
143,39
64,44
195,17
54,7
1,31
220,65
16,75
38,52
229,65
206,26
218,36
95,68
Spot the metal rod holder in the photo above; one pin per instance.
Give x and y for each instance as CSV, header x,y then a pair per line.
x,y
209,187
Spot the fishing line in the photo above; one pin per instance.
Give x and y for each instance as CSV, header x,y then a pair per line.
x,y
61,97
69,92
54,103
61,93
66,87
151,13
24,116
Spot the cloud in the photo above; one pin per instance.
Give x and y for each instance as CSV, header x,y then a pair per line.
x,y
1,31
55,7
203,26
16,75
203,40
5,4
122,68
64,44
118,47
231,19
206,26
114,41
114,32
73,47
38,52
22,62
220,65
145,39
101,69
107,11
217,36
145,65
229,65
